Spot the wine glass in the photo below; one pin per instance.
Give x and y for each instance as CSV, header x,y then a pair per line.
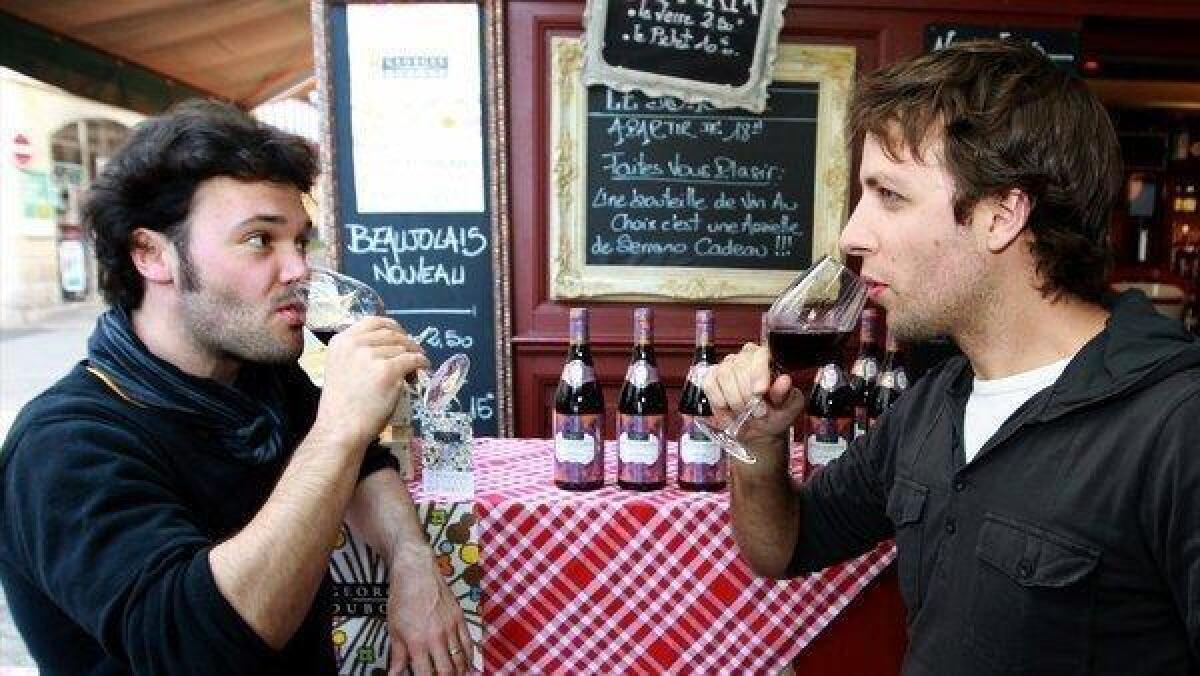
x,y
803,329
335,301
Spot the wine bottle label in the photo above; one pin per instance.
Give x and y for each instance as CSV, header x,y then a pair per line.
x,y
866,368
641,449
641,373
697,373
578,448
695,448
825,441
829,376
893,380
576,373
582,451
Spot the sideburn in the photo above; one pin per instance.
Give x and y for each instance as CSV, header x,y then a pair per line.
x,y
189,281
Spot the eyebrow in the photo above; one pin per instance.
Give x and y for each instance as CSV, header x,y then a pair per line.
x,y
876,180
275,219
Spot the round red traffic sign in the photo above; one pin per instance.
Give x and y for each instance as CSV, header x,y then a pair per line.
x,y
22,152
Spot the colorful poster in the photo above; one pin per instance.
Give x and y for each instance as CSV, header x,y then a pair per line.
x,y
360,583
416,108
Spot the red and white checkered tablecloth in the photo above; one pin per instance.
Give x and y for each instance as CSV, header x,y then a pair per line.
x,y
614,581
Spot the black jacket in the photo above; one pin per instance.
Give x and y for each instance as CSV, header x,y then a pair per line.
x,y
1069,545
107,513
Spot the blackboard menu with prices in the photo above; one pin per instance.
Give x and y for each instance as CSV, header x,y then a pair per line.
x,y
677,184
432,267
708,40
716,51
1059,45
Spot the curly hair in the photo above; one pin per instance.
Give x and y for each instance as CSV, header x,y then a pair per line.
x,y
151,181
1007,118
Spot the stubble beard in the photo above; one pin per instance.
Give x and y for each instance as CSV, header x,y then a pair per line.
x,y
955,306
225,325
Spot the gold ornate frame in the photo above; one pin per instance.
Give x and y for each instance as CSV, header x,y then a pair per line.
x,y
831,68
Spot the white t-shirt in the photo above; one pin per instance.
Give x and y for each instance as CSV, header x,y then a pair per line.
x,y
993,401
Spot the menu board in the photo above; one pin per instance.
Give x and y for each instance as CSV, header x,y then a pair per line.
x,y
433,266
718,51
710,41
1059,45
678,184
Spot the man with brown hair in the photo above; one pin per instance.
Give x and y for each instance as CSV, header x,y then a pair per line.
x,y
1044,489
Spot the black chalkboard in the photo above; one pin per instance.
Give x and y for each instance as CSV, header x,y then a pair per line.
x,y
1059,45
433,270
701,40
677,184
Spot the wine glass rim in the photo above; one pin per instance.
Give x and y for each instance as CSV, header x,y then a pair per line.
x,y
842,274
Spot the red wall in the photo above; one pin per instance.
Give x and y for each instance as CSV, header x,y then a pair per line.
x,y
867,638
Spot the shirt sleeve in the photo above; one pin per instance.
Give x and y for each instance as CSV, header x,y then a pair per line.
x,y
99,526
842,506
377,457
1170,510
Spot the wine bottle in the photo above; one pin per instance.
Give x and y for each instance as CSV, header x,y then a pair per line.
x,y
578,415
864,374
893,379
702,465
641,440
829,416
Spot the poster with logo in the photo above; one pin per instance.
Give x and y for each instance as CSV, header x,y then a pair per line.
x,y
360,587
415,107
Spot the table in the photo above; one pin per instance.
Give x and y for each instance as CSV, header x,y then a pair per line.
x,y
614,581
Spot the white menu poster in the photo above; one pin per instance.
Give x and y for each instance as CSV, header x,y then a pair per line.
x,y
416,107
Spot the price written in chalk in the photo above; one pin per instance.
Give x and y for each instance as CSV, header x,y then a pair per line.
x,y
483,407
448,338
704,26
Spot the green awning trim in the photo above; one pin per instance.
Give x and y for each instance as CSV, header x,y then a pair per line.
x,y
87,72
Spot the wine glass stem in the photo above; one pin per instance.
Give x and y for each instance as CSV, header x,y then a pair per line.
x,y
756,408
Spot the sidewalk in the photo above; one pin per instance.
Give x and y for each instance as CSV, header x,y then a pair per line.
x,y
31,359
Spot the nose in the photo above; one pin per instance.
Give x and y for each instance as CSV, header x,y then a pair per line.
x,y
857,238
294,267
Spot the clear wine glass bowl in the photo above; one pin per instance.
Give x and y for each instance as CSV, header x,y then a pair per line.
x,y
802,329
336,301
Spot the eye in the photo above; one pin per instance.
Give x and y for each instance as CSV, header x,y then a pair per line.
x,y
889,197
257,240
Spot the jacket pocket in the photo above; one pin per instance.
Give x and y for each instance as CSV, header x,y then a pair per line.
x,y
1031,600
906,509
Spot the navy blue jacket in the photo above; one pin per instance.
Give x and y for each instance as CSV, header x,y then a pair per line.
x,y
107,513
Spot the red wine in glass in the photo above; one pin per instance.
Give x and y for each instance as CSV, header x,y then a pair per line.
x,y
796,351
326,334
803,328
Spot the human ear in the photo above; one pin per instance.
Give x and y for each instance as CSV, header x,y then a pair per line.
x,y
1006,217
151,254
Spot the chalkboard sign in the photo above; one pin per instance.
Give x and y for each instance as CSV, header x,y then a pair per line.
x,y
433,269
671,183
657,199
1060,46
718,51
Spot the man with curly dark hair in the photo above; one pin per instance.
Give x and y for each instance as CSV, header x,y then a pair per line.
x,y
169,506
1044,488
